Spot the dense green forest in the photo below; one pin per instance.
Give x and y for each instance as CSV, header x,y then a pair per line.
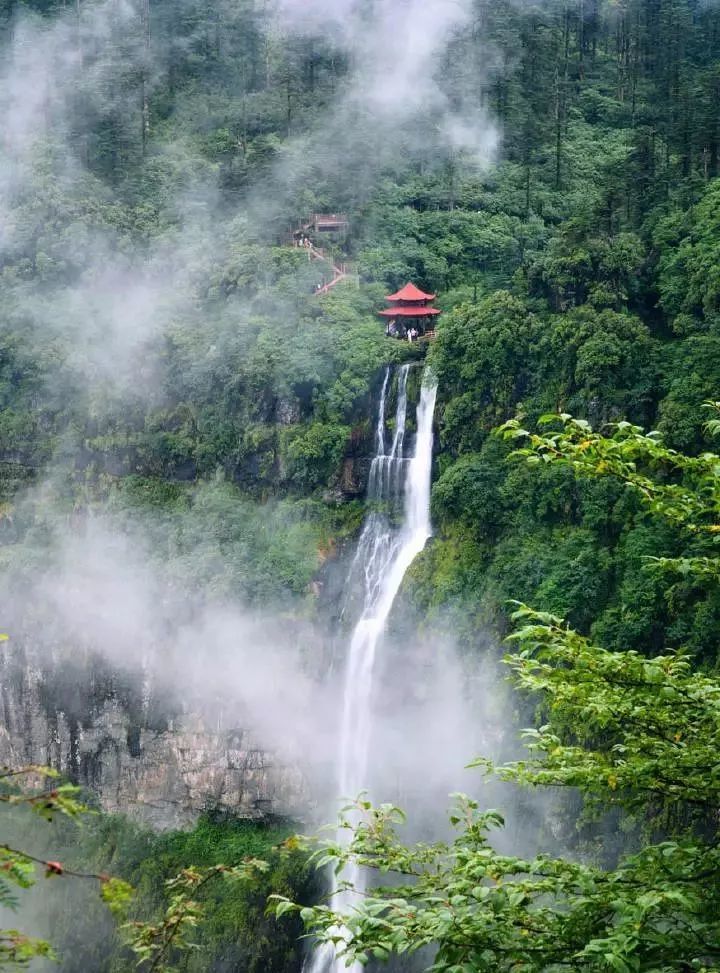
x,y
239,933
579,264
551,170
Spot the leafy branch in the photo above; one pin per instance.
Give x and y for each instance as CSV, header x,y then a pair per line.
x,y
624,729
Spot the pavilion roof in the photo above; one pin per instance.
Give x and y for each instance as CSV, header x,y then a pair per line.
x,y
410,293
329,218
409,312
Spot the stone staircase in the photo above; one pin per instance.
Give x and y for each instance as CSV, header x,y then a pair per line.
x,y
340,271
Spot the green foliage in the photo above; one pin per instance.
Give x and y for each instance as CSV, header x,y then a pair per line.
x,y
629,731
156,944
38,791
688,279
482,358
601,361
688,495
316,454
468,492
577,270
199,902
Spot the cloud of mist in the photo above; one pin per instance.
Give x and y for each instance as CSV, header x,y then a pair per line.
x,y
104,595
96,287
42,74
110,296
221,665
401,51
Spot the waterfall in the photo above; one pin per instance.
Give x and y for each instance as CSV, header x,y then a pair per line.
x,y
384,554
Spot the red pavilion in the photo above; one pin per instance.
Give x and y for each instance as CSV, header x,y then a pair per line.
x,y
410,311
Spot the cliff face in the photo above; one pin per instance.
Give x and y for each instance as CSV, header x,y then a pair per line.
x,y
159,756
163,771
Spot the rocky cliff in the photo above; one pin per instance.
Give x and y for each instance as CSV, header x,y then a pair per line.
x,y
141,755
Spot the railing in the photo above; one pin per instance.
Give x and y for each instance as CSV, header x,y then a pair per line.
x,y
340,271
428,336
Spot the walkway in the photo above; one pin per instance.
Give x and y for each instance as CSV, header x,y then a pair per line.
x,y
340,271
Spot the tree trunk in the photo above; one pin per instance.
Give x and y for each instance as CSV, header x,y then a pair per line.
x,y
144,82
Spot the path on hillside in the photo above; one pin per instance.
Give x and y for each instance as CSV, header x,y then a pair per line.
x,y
340,271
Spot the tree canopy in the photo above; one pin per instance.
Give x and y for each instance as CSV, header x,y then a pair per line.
x,y
636,734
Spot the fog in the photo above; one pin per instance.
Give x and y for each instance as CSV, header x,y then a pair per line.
x,y
60,75
218,666
108,295
401,52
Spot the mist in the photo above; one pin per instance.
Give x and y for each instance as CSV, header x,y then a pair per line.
x,y
401,52
106,614
109,298
61,75
152,658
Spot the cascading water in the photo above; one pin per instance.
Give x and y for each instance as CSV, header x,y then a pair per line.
x,y
384,554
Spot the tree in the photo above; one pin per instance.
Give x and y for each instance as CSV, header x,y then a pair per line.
x,y
635,734
157,943
37,789
689,280
483,358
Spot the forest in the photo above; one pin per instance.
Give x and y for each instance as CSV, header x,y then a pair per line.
x,y
186,432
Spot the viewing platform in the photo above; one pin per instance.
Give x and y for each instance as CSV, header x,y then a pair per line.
x,y
410,316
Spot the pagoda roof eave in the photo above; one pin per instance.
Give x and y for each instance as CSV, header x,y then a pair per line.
x,y
410,312
410,293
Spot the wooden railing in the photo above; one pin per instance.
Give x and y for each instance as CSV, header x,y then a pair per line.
x,y
428,336
340,271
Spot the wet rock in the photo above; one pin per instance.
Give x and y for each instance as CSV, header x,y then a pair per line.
x,y
164,778
287,412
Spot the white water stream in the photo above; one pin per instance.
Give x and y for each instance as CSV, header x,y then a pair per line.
x,y
384,554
